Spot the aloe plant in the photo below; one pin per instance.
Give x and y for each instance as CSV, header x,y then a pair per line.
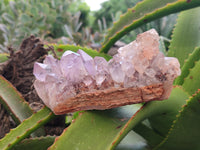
x,y
160,125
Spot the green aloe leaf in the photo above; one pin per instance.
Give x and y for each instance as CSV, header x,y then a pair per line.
x,y
142,13
192,81
188,65
15,104
25,128
13,101
94,129
60,49
88,130
184,134
152,109
161,115
148,134
162,122
186,35
162,46
132,141
41,143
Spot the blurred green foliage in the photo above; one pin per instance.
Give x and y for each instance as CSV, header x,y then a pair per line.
x,y
112,9
68,22
164,26
99,21
43,18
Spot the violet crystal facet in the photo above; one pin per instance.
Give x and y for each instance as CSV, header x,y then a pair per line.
x,y
137,64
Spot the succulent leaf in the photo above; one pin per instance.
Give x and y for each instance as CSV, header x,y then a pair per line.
x,y
192,81
184,133
26,128
142,13
162,46
39,143
13,101
15,104
161,115
161,122
148,134
60,49
88,130
186,35
188,65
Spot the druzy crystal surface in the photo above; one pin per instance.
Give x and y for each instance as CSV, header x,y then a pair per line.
x,y
137,64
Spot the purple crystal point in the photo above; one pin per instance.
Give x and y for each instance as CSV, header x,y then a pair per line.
x,y
173,66
53,63
42,91
40,71
148,43
72,67
128,68
88,62
101,70
115,69
129,51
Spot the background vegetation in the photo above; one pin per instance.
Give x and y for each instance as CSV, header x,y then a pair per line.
x,y
67,22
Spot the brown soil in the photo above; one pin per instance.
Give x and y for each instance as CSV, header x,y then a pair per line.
x,y
19,71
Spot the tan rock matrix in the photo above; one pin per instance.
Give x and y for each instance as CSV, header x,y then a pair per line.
x,y
138,73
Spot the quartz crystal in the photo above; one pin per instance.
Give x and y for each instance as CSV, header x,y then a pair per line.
x,y
136,65
88,62
102,73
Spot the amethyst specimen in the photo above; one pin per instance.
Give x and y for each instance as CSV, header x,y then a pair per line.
x,y
137,65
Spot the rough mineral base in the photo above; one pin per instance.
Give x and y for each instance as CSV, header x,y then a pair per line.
x,y
138,73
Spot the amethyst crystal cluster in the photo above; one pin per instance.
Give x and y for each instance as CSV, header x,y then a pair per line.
x,y
137,64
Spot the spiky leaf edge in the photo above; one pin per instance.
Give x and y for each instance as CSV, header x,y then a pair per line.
x,y
115,34
26,128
